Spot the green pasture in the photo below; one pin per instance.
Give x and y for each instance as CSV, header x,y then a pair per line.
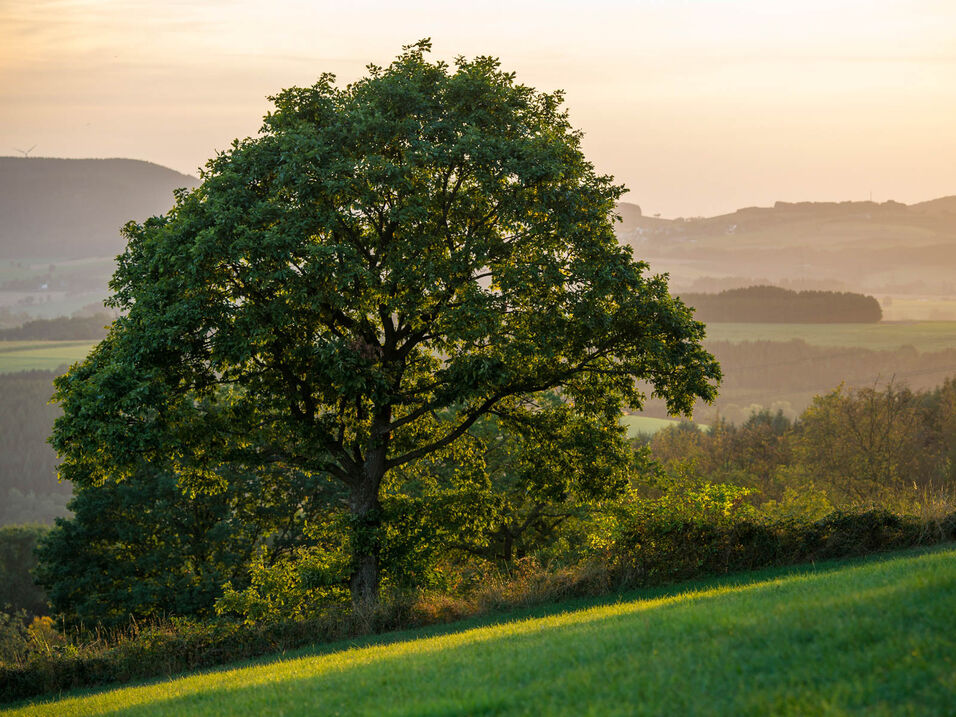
x,y
41,355
922,335
866,638
645,425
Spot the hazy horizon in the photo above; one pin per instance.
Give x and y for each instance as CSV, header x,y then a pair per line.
x,y
699,108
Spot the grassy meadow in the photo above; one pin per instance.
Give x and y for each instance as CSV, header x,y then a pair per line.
x,y
873,637
922,335
648,426
41,355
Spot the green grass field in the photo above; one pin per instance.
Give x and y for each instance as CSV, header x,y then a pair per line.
x,y
922,335
41,355
648,426
867,638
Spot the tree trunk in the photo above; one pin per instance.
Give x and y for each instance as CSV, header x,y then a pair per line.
x,y
366,528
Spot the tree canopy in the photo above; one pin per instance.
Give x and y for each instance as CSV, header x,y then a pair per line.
x,y
352,290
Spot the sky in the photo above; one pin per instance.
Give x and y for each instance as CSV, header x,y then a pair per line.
x,y
699,107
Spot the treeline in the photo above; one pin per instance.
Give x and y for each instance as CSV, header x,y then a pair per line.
x,y
772,304
62,328
892,447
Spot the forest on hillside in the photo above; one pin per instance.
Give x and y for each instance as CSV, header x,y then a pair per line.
x,y
773,304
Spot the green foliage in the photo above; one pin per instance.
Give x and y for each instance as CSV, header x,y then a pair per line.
x,y
868,445
354,289
710,531
14,637
891,448
302,586
142,548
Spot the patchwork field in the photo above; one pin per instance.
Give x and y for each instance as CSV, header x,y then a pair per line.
x,y
922,335
41,355
873,638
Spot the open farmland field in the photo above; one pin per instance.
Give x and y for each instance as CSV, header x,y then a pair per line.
x,y
648,426
873,638
907,308
41,355
922,335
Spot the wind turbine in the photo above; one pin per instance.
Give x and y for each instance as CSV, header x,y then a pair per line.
x,y
26,152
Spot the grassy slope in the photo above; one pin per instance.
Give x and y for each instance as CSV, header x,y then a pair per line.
x,y
924,335
871,638
41,355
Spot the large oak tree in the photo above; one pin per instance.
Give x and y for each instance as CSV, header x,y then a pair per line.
x,y
351,290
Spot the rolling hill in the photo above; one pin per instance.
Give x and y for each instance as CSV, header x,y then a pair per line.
x,y
60,221
66,209
884,249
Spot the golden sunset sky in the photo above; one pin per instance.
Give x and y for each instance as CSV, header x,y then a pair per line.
x,y
699,107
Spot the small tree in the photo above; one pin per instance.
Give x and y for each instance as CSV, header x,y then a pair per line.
x,y
384,265
868,445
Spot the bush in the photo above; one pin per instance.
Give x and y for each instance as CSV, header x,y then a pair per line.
x,y
652,548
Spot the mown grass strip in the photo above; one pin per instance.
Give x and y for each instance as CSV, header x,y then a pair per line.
x,y
872,638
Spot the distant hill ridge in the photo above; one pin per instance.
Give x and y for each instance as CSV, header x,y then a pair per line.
x,y
633,218
56,210
73,208
886,248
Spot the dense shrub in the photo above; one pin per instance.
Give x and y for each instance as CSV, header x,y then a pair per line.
x,y
652,548
142,548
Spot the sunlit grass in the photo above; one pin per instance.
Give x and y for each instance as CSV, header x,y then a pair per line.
x,y
41,355
863,638
648,426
